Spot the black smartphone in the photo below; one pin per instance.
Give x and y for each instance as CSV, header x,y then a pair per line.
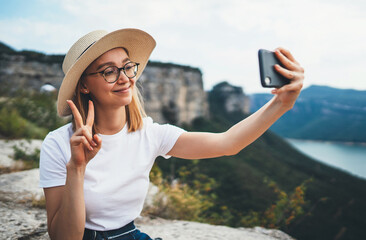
x,y
270,78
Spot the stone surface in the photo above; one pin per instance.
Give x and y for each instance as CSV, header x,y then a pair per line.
x,y
183,230
231,97
7,151
19,220
172,93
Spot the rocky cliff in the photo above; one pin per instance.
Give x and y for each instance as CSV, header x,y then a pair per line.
x,y
172,93
231,98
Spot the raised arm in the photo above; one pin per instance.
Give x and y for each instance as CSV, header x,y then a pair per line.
x,y
196,145
65,204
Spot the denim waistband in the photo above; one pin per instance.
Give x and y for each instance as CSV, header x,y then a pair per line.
x,y
111,234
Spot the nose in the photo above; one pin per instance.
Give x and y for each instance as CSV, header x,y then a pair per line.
x,y
122,77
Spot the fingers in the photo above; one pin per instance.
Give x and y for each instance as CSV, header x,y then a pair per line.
x,y
98,140
285,72
77,140
291,68
90,118
75,113
294,87
84,131
286,53
288,61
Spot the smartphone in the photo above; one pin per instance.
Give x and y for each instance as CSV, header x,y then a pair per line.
x,y
270,78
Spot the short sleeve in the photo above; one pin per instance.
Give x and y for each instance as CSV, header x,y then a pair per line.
x,y
53,161
166,136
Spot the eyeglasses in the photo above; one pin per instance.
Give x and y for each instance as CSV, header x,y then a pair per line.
x,y
112,73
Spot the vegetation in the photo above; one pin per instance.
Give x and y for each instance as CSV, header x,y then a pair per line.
x,y
186,198
28,115
31,55
280,214
22,153
271,184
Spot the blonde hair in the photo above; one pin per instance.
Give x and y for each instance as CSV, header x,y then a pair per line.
x,y
134,110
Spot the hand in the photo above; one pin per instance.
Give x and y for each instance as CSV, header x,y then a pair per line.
x,y
288,94
83,145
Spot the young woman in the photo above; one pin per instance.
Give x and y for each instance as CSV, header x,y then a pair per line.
x,y
95,170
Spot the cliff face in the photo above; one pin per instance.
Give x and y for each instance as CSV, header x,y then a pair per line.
x,y
16,72
231,98
172,93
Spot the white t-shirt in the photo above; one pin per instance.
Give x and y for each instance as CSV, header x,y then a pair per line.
x,y
117,178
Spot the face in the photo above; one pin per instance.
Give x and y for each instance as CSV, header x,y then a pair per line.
x,y
104,94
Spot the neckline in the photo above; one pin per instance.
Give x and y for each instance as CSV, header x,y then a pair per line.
x,y
110,136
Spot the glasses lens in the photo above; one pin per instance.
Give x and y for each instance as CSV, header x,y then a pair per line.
x,y
111,74
130,69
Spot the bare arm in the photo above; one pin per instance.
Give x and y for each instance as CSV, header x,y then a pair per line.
x,y
66,208
65,204
193,145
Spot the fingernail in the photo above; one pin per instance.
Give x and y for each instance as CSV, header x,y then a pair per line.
x,y
94,144
90,148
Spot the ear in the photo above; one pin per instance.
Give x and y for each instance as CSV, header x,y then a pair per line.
x,y
83,88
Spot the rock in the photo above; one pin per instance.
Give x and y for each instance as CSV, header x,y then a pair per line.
x,y
231,98
21,186
7,152
183,230
173,93
19,220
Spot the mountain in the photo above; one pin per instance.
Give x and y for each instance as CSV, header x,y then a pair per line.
x,y
335,201
322,113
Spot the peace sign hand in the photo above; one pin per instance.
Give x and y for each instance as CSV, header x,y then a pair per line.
x,y
84,146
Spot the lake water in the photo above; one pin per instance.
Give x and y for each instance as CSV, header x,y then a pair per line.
x,y
348,157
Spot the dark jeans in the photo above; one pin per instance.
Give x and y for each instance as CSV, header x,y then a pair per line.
x,y
128,232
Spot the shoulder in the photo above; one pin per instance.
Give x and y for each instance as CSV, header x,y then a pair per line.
x,y
60,135
147,121
155,128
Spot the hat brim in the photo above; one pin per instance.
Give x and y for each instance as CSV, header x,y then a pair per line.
x,y
139,45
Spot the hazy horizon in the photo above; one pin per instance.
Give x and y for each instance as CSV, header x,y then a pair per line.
x,y
326,37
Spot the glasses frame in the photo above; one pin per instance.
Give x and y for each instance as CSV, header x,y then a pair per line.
x,y
119,72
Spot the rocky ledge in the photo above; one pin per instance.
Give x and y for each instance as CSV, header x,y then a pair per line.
x,y
20,218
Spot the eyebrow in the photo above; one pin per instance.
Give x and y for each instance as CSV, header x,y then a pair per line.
x,y
111,63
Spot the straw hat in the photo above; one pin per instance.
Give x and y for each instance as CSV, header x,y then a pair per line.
x,y
139,45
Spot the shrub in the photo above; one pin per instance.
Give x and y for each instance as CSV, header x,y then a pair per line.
x,y
30,159
12,125
282,213
28,115
182,199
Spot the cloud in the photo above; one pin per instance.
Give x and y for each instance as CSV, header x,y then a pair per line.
x,y
325,36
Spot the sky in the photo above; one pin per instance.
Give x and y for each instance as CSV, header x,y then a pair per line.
x,y
222,38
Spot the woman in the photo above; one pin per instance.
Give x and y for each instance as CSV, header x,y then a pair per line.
x,y
95,171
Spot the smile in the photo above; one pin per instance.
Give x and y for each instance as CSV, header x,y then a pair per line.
x,y
122,90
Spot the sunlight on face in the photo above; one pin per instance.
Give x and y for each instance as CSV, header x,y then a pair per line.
x,y
104,94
